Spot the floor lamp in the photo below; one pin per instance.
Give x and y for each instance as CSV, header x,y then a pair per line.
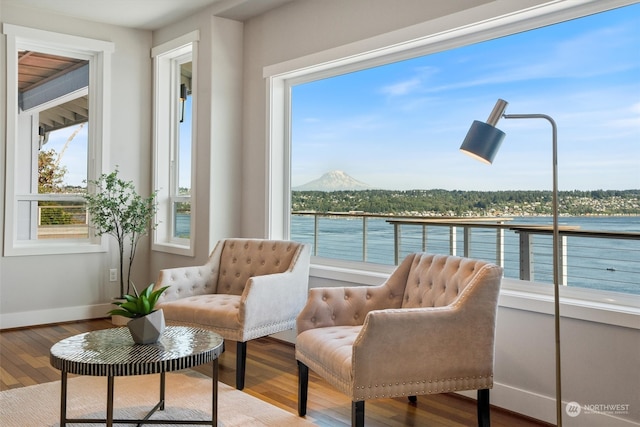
x,y
482,142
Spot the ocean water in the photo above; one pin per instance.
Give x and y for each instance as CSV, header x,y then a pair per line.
x,y
596,263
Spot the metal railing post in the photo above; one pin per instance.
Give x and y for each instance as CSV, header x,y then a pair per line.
x,y
424,238
396,243
467,241
315,233
563,261
500,246
453,243
364,238
526,256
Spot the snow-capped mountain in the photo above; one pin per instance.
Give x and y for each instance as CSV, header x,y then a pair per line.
x,y
333,181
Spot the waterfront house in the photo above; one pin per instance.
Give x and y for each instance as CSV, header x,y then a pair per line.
x,y
242,52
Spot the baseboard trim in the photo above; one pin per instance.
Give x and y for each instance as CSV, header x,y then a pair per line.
x,y
57,315
543,408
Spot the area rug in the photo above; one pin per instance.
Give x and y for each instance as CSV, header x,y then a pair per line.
x,y
188,396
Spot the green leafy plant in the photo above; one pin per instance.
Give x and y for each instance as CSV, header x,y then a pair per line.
x,y
138,304
117,209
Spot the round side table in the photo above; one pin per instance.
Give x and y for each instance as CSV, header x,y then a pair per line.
x,y
112,353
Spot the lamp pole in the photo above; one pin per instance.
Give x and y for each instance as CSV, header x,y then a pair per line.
x,y
556,254
482,143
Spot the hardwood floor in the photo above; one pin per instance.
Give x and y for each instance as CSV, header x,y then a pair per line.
x,y
271,377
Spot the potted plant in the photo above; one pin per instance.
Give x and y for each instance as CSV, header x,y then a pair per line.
x,y
117,209
146,324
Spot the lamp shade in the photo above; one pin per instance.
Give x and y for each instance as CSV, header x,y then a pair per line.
x,y
482,141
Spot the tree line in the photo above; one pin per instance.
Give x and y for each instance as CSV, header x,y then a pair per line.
x,y
461,203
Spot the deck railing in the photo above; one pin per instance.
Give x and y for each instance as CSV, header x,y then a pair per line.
x,y
594,259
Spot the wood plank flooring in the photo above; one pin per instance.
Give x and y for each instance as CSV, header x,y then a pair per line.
x,y
271,376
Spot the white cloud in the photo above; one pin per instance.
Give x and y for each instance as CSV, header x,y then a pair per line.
x,y
402,88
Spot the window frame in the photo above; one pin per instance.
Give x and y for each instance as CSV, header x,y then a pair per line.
x,y
443,34
98,53
167,58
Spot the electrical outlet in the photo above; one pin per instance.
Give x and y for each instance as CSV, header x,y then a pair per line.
x,y
113,275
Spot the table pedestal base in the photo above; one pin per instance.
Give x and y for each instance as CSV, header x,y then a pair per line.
x,y
110,421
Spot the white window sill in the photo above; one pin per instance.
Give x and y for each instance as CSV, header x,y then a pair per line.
x,y
53,248
173,248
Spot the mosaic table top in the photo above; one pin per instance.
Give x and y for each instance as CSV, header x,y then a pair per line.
x,y
112,352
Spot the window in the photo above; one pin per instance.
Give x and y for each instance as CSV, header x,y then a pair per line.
x,y
55,133
359,116
174,124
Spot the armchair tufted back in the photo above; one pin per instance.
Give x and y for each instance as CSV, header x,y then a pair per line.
x,y
437,280
420,281
242,259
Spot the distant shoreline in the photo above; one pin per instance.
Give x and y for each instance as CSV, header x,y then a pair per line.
x,y
470,203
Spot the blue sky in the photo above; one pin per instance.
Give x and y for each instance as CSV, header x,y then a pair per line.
x,y
400,126
74,157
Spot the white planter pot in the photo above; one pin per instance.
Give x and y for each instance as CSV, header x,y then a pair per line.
x,y
147,329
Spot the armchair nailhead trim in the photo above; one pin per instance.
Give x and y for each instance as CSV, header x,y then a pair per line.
x,y
436,388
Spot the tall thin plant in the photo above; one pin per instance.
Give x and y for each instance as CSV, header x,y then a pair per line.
x,y
116,208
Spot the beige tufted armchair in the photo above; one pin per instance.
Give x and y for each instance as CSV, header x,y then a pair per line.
x,y
428,329
248,289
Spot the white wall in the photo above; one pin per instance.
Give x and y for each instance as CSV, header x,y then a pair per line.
x,y
72,287
41,289
600,360
218,136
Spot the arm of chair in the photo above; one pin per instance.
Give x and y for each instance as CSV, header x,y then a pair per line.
x,y
272,299
448,347
344,306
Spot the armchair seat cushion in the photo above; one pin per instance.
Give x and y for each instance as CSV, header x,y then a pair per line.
x,y
329,352
213,311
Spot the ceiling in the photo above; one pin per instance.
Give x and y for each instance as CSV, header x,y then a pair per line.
x,y
148,14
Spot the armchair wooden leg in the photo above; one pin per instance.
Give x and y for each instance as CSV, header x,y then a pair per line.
x,y
303,387
241,364
413,399
357,414
483,408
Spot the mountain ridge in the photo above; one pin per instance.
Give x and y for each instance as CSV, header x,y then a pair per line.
x,y
335,180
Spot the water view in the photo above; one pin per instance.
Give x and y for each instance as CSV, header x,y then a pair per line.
x,y
596,263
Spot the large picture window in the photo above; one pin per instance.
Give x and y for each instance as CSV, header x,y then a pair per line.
x,y
55,133
368,145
